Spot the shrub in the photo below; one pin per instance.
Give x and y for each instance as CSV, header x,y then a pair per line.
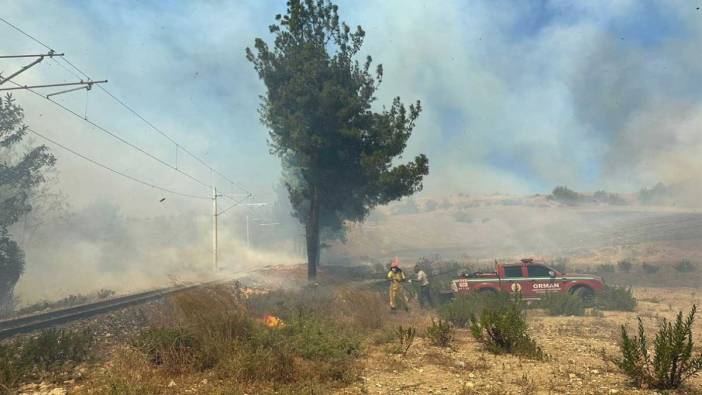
x,y
314,339
502,328
54,347
649,268
672,361
12,369
605,268
440,333
105,293
562,304
405,338
565,195
615,298
624,266
20,360
462,308
684,266
174,348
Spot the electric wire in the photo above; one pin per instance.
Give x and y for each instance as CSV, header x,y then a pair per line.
x,y
146,183
26,34
117,137
122,103
237,203
169,138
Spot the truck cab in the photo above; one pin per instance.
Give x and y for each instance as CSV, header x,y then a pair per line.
x,y
530,279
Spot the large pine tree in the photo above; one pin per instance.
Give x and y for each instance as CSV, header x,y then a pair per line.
x,y
336,151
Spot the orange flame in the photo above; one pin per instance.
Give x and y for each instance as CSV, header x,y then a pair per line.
x,y
272,321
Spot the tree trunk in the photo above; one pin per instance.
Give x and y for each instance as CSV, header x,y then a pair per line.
x,y
312,236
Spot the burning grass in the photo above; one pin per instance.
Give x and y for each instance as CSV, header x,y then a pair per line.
x,y
289,342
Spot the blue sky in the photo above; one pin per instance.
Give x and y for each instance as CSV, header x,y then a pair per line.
x,y
519,96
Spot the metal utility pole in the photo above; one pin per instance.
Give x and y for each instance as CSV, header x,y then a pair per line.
x,y
215,265
248,238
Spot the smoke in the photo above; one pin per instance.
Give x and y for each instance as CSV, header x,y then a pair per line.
x,y
99,247
518,97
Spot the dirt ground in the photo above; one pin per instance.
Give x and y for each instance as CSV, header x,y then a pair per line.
x,y
578,348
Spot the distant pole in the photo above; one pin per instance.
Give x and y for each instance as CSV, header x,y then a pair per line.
x,y
248,238
215,265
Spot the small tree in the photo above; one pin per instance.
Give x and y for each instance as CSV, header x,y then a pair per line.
x,y
337,152
672,361
20,172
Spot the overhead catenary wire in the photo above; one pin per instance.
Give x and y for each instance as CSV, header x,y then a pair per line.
x,y
130,109
93,161
237,203
169,138
117,137
26,34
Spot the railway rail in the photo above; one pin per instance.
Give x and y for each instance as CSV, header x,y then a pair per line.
x,y
14,326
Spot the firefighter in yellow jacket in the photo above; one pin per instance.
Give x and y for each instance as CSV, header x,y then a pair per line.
x,y
396,278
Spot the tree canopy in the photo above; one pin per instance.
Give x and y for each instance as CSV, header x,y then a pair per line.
x,y
338,153
21,169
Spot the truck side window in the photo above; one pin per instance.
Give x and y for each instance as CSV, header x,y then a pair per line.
x,y
513,271
538,271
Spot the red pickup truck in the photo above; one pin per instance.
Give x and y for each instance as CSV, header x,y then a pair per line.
x,y
531,279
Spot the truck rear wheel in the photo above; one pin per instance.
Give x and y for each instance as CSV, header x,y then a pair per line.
x,y
586,294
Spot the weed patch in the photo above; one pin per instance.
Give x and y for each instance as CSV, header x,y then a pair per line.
x,y
685,266
440,333
25,360
562,304
502,328
615,298
173,348
405,338
462,308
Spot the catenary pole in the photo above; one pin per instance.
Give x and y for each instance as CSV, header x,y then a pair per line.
x,y
215,265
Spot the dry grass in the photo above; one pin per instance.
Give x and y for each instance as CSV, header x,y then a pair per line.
x,y
214,333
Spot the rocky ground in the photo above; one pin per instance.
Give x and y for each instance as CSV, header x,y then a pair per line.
x,y
110,330
579,348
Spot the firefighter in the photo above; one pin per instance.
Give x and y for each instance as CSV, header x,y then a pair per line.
x,y
423,280
396,278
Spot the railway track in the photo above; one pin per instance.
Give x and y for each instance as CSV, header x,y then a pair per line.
x,y
14,326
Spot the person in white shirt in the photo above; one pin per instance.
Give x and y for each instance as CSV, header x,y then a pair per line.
x,y
424,295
